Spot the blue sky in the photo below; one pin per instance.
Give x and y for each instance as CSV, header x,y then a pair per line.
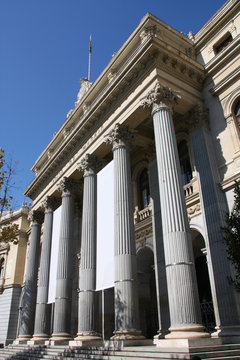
x,y
44,53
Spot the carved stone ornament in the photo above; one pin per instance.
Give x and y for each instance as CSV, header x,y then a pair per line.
x,y
111,75
198,117
191,36
67,185
36,216
50,203
85,86
89,164
149,31
150,152
160,96
120,134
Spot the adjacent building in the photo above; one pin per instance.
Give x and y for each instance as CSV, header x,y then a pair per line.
x,y
12,265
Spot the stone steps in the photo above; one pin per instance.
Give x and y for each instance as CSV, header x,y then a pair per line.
x,y
24,352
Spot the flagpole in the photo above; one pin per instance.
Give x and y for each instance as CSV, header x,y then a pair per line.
x,y
89,59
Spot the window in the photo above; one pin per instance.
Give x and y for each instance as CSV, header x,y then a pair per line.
x,y
237,113
144,189
2,262
185,165
223,43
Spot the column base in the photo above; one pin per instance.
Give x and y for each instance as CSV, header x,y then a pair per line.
x,y
160,335
87,338
38,339
119,344
176,345
59,339
228,334
86,342
187,332
127,335
22,339
123,338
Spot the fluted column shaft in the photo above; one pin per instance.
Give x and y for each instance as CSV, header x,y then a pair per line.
x,y
213,205
184,306
62,312
28,305
87,275
43,309
126,293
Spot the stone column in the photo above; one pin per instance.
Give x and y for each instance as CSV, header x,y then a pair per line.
x,y
184,306
87,275
159,261
76,257
62,312
126,293
43,309
214,209
26,323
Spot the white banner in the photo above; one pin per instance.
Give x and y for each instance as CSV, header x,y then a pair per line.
x,y
105,228
54,255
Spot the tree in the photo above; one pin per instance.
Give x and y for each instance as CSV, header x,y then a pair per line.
x,y
232,237
8,230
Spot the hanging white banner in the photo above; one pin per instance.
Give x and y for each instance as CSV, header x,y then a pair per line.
x,y
105,228
54,255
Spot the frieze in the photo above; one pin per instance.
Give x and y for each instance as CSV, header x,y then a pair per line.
x,y
42,177
194,210
142,235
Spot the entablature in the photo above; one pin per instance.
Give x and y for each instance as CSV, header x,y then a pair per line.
x,y
145,50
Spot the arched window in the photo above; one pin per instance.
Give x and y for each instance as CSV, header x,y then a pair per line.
x,y
185,165
2,263
144,189
237,113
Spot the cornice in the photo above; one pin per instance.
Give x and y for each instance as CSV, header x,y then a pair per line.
x,y
226,82
215,21
15,214
229,182
220,60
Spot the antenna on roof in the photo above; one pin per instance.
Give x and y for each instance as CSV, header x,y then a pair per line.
x,y
89,59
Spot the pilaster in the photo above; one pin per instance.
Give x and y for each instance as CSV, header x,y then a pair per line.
x,y
214,209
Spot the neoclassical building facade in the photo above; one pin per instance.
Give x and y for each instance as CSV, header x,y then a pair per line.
x,y
12,267
166,110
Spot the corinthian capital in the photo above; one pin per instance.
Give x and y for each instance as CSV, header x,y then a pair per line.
x,y
89,164
50,203
120,134
36,216
160,96
67,185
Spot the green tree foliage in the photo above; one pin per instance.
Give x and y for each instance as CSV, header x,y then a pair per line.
x,y
232,237
8,231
